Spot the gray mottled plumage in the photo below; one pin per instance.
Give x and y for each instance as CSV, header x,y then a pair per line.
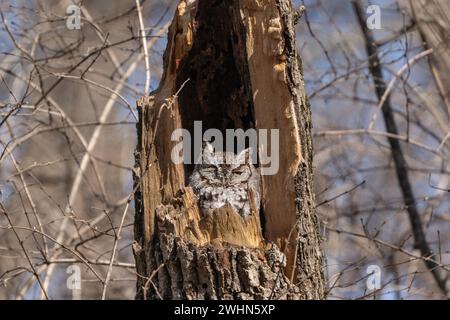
x,y
224,177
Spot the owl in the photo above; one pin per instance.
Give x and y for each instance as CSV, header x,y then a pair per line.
x,y
224,177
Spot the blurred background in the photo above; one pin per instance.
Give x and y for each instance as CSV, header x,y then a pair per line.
x,y
68,133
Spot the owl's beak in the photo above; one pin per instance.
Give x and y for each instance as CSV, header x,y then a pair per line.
x,y
227,177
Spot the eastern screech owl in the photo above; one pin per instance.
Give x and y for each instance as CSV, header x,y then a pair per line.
x,y
224,177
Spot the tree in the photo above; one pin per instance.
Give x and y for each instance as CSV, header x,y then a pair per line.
x,y
230,64
398,156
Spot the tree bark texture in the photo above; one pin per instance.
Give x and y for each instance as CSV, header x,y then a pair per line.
x,y
230,64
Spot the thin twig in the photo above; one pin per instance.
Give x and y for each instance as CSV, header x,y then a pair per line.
x,y
144,46
113,254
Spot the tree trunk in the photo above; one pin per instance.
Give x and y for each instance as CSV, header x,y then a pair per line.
x,y
230,64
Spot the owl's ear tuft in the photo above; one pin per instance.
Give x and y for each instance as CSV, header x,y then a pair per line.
x,y
208,150
245,156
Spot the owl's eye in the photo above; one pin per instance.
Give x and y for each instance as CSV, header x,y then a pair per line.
x,y
210,168
240,170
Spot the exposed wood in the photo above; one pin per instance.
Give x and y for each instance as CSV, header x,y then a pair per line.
x,y
230,64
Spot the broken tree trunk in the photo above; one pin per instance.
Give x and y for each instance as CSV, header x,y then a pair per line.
x,y
232,65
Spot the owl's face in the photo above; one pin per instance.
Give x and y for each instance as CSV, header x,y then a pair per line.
x,y
226,178
225,168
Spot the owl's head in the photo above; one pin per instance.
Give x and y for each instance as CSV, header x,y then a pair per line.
x,y
225,168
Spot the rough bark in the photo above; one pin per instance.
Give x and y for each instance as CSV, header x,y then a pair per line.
x,y
241,65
